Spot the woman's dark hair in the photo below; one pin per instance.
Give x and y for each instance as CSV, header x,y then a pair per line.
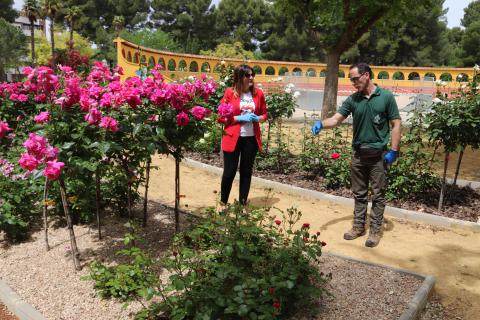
x,y
238,75
362,68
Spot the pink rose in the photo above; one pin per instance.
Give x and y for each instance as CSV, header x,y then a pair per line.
x,y
109,123
36,145
335,155
4,129
182,119
198,112
43,117
53,169
28,162
51,153
93,116
225,110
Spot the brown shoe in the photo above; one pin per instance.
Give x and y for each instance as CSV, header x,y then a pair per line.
x,y
354,233
373,238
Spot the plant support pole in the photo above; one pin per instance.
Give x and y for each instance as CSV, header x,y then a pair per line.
x,y
97,202
442,192
45,217
145,199
73,241
177,194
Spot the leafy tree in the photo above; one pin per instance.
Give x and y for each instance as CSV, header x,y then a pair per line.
x,y
225,50
32,11
472,13
471,40
337,25
417,39
49,9
12,46
6,10
42,48
190,22
118,23
155,39
245,21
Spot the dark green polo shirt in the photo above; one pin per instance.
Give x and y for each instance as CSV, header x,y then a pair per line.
x,y
371,117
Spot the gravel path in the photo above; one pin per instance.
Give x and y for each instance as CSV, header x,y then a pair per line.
x,y
47,279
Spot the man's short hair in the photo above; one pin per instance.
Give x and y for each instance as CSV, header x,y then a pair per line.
x,y
362,68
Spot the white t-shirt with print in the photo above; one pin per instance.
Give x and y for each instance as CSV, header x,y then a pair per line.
x,y
247,106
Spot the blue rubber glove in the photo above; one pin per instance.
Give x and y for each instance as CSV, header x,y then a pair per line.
x,y
255,118
390,156
317,127
247,117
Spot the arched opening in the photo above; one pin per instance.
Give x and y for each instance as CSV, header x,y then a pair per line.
x,y
135,57
446,76
341,73
218,68
151,62
129,57
143,60
398,76
123,53
297,72
282,71
383,75
429,76
311,72
161,62
323,73
270,71
172,66
182,65
205,67
193,66
462,77
413,76
257,69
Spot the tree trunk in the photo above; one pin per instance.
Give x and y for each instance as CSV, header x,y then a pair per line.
x,y
45,218
32,41
329,106
177,194
70,44
304,142
457,170
52,39
98,202
145,198
73,241
442,192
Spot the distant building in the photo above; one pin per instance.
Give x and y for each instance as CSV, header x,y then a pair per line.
x,y
24,24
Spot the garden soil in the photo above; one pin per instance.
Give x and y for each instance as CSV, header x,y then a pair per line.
x,y
451,255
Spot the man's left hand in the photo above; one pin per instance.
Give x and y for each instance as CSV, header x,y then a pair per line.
x,y
390,156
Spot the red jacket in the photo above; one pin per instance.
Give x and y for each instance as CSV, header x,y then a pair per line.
x,y
232,128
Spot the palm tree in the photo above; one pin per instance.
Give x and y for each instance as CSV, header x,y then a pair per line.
x,y
73,13
49,10
118,23
32,12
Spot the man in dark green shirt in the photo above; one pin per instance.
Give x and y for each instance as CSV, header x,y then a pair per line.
x,y
373,110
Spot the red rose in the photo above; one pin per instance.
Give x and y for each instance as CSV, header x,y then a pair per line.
x,y
323,243
276,305
175,253
271,291
335,155
278,222
306,226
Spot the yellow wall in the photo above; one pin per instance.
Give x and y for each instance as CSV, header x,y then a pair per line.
x,y
130,56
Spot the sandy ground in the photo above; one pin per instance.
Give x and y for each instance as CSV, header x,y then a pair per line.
x,y
451,255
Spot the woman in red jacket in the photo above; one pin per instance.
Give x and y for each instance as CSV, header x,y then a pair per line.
x,y
242,137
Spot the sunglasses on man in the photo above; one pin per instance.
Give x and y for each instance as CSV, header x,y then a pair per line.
x,y
355,79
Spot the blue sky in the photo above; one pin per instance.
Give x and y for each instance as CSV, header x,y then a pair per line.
x,y
455,11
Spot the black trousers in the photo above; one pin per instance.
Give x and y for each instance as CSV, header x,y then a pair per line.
x,y
245,152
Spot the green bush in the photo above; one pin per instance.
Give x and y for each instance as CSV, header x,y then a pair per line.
x,y
235,266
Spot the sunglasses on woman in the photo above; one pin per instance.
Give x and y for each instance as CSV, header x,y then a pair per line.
x,y
249,75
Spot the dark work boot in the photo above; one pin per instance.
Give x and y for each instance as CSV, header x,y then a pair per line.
x,y
354,233
373,238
